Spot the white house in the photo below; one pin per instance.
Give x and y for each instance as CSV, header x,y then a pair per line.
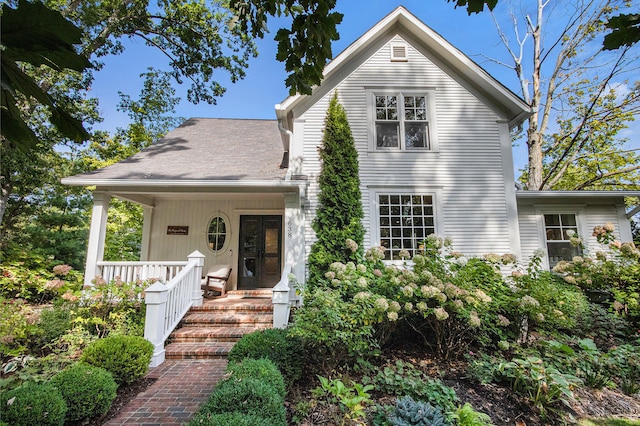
x,y
432,130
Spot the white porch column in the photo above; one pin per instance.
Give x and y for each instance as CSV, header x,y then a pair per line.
x,y
97,233
294,241
146,232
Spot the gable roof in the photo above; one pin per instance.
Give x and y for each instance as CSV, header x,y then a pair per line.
x,y
511,105
200,151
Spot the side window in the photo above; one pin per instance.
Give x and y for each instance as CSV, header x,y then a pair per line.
x,y
401,121
405,220
217,233
558,230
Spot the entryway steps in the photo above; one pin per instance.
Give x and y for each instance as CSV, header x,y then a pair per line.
x,y
210,331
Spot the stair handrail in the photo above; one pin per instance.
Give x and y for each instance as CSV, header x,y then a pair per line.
x,y
168,304
281,298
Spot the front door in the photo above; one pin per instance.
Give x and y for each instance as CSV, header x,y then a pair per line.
x,y
260,251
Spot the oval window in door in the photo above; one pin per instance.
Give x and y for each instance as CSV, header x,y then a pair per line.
x,y
217,233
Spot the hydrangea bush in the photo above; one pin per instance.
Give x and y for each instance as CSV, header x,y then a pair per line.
x,y
613,271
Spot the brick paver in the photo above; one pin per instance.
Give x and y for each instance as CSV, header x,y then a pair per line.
x,y
181,387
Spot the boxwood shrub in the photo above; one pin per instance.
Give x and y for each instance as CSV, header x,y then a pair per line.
x,y
250,397
285,351
263,369
125,357
33,404
88,391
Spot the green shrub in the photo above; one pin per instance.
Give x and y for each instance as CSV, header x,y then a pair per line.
x,y
403,379
247,396
467,416
408,412
229,419
88,391
262,369
284,350
125,357
54,323
625,362
33,405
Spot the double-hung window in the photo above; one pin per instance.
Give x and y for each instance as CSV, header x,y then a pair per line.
x,y
405,220
558,231
401,121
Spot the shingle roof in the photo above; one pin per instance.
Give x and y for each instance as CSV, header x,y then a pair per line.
x,y
206,149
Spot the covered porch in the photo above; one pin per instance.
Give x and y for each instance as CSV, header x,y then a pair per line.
x,y
214,192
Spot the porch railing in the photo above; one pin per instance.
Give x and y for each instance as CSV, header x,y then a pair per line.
x,y
131,271
168,303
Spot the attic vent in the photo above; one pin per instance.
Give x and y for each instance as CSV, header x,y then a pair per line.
x,y
399,52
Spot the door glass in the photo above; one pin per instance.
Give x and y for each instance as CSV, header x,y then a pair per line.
x,y
271,240
249,267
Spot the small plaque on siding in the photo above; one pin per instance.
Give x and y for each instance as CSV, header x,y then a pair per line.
x,y
177,230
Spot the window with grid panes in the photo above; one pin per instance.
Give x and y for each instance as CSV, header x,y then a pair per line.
x,y
401,121
405,221
556,227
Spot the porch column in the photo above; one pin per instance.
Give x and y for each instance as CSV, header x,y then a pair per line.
x,y
146,232
97,233
294,241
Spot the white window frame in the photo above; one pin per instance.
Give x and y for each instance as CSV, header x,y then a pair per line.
x,y
431,136
376,191
577,210
227,239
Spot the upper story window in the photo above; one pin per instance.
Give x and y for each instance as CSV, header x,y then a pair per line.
x,y
217,233
401,121
558,230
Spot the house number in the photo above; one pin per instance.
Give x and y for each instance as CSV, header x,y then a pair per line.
x,y
289,231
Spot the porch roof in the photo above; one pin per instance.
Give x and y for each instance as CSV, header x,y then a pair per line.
x,y
200,151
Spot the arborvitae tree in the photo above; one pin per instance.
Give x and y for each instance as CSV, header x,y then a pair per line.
x,y
339,214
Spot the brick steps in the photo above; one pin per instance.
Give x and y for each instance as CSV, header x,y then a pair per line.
x,y
210,331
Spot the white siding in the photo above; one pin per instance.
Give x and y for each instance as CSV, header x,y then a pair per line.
x,y
467,168
196,214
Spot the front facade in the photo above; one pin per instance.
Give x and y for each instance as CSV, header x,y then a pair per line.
x,y
433,134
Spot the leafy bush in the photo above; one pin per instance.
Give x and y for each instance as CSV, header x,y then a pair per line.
x,y
35,278
262,369
229,419
17,326
247,396
467,416
88,391
53,323
403,379
615,269
284,350
408,412
127,358
542,385
34,404
22,370
625,361
109,308
352,398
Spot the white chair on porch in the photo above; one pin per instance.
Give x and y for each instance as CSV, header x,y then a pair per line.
x,y
216,281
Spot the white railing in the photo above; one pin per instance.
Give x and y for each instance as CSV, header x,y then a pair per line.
x,y
132,271
168,304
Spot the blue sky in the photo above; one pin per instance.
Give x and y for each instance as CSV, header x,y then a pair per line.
x,y
263,87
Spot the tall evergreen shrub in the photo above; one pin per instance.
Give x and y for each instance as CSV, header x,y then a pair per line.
x,y
339,214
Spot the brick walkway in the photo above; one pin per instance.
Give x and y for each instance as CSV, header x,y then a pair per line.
x,y
181,387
